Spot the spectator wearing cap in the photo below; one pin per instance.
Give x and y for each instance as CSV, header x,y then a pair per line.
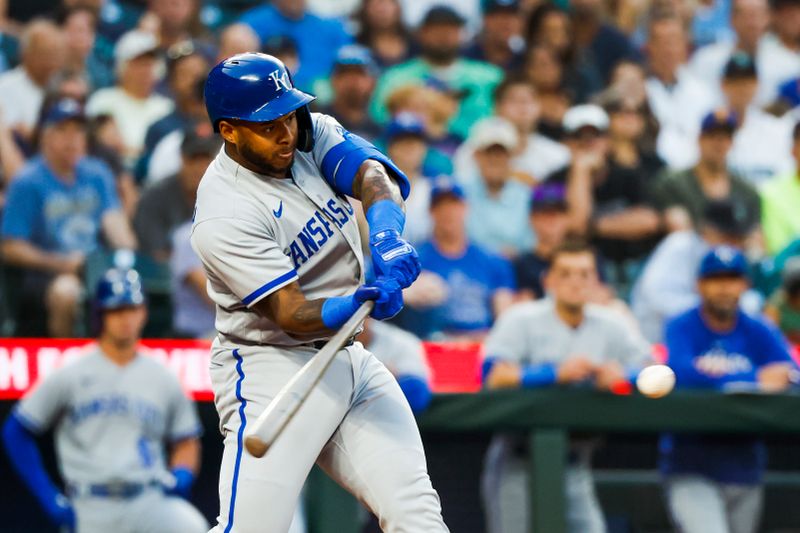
x,y
762,143
500,40
84,52
473,286
382,30
415,11
318,39
133,102
780,198
352,82
609,203
666,286
679,100
58,208
169,202
498,203
775,61
22,88
440,40
682,196
550,223
536,157
284,48
715,483
783,307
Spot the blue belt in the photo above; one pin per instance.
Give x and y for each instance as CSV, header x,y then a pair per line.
x,y
122,490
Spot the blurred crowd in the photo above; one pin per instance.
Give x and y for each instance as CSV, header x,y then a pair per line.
x,y
652,130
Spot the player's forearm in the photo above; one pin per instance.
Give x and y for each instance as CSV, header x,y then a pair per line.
x,y
24,254
186,454
373,184
24,456
118,231
296,318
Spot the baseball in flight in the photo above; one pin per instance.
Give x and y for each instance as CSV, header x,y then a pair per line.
x,y
656,381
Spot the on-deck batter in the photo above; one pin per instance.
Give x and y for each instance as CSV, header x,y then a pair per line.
x,y
282,253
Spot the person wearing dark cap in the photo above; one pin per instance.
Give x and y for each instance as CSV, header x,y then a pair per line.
x,y
714,484
762,142
352,82
683,196
440,40
500,40
666,287
57,210
168,203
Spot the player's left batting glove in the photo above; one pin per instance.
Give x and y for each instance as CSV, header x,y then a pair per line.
x,y
392,256
183,481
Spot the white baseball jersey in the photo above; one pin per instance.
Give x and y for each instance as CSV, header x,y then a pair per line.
x,y
256,234
111,421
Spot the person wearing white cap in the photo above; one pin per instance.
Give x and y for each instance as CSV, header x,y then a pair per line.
x,y
133,102
608,202
498,204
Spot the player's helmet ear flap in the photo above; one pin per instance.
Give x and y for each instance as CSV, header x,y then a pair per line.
x,y
257,88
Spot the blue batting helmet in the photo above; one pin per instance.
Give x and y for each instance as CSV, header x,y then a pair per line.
x,y
119,288
257,88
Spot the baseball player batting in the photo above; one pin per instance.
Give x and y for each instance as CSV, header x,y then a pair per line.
x,y
282,252
114,411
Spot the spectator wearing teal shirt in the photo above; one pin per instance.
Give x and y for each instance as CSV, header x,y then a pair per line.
x,y
318,39
440,42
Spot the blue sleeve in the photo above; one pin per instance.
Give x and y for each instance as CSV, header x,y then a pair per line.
x,y
503,274
416,391
21,210
533,375
771,345
680,354
107,187
20,445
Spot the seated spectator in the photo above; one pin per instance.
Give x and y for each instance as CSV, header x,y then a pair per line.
x,y
440,41
683,196
404,355
193,310
780,198
500,40
666,286
167,204
291,18
352,82
550,223
478,285
133,103
784,306
762,143
545,71
715,482
536,157
632,146
561,340
498,204
381,29
57,209
284,48
237,39
178,21
405,145
22,88
83,53
611,203
678,99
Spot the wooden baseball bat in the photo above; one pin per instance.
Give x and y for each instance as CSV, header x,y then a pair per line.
x,y
271,423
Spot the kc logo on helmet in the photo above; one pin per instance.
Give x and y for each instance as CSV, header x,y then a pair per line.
x,y
281,80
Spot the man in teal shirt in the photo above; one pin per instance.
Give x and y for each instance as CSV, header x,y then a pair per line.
x,y
440,43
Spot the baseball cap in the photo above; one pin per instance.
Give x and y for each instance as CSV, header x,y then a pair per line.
x,y
62,110
549,196
405,124
498,6
721,261
494,131
445,187
443,14
740,66
585,116
728,217
200,140
721,119
135,43
355,55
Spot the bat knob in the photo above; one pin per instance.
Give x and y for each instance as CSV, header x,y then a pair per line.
x,y
255,446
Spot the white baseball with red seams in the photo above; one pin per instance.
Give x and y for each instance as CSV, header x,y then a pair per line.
x,y
656,381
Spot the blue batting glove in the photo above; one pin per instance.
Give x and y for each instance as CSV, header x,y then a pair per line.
x,y
60,511
394,257
184,479
390,301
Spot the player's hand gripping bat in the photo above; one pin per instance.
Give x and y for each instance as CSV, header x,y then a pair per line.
x,y
271,423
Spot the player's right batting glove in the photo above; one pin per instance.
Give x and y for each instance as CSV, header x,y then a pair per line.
x,y
390,301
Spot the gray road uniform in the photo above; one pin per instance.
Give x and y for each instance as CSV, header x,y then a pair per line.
x,y
533,334
111,425
256,234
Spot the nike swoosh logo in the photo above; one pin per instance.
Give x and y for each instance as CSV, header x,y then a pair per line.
x,y
279,211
